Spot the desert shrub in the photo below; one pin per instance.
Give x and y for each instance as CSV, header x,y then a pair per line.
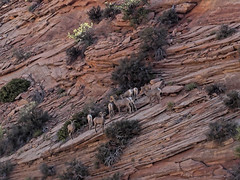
x,y
47,170
170,106
134,11
116,176
95,14
62,134
73,53
109,153
20,54
30,122
221,131
82,34
153,40
224,31
5,170
75,171
12,89
215,88
132,72
111,11
190,86
122,131
119,134
169,17
233,100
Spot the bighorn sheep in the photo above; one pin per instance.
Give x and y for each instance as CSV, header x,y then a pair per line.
x,y
121,103
99,120
135,93
151,93
133,106
128,93
90,121
71,128
110,110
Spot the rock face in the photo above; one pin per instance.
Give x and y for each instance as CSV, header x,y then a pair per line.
x,y
172,143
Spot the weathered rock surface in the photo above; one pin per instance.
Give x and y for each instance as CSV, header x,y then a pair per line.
x,y
172,144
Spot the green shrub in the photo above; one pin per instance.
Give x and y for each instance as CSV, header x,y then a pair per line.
x,y
132,72
122,131
95,14
119,133
169,17
111,11
134,11
116,176
190,86
5,170
233,100
221,131
224,32
170,106
82,34
75,171
29,124
153,40
11,90
73,53
215,88
62,134
47,170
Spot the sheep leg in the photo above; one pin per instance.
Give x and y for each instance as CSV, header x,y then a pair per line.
x,y
95,128
129,107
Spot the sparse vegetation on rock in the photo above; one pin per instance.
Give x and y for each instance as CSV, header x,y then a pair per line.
x,y
11,90
95,14
75,171
30,123
73,53
233,100
221,130
111,11
224,32
132,72
5,170
153,40
47,170
190,86
215,88
20,54
119,134
116,176
169,17
134,11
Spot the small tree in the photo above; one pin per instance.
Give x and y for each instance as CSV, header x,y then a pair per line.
x,y
153,40
132,72
224,32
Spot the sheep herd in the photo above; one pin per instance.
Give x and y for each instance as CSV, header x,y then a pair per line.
x,y
126,100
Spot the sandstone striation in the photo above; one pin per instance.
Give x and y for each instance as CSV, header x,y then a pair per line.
x,y
172,143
